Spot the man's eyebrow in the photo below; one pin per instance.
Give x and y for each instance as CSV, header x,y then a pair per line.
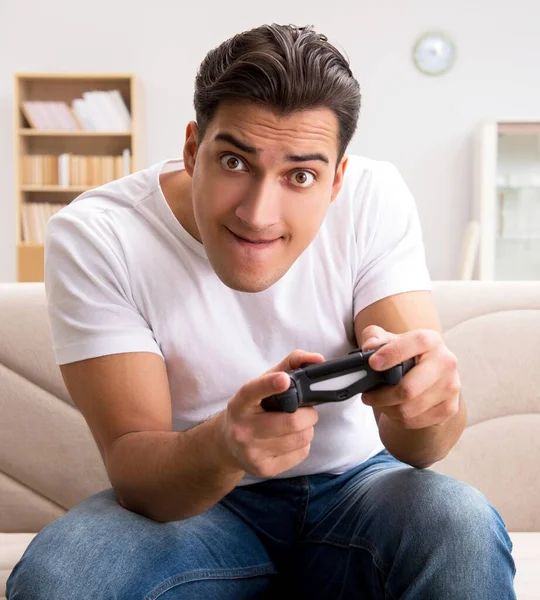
x,y
307,157
227,137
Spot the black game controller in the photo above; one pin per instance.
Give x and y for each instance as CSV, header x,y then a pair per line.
x,y
345,377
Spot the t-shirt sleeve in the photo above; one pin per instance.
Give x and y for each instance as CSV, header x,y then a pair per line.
x,y
89,300
390,248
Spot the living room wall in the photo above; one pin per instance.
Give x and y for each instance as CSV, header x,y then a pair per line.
x,y
424,125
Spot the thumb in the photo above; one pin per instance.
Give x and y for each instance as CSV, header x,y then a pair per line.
x,y
251,394
374,336
295,360
273,381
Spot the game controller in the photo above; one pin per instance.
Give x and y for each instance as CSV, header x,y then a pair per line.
x,y
334,381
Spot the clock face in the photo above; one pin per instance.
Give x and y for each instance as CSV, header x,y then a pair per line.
x,y
434,53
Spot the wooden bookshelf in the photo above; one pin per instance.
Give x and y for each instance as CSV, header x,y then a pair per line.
x,y
60,133
64,87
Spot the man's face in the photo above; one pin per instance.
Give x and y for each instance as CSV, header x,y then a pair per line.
x,y
261,186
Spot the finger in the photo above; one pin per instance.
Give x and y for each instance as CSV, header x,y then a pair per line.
x,y
373,336
414,383
407,345
278,424
424,414
251,393
286,443
277,464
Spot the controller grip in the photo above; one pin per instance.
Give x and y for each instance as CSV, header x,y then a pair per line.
x,y
285,402
393,376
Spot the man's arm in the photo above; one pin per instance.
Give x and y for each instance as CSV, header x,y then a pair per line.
x,y
166,475
154,471
423,417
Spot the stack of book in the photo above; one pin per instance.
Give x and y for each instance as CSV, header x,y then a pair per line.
x,y
34,218
97,110
74,170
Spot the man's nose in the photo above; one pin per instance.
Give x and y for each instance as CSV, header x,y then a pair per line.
x,y
259,208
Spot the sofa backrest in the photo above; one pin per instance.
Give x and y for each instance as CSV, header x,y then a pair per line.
x,y
49,460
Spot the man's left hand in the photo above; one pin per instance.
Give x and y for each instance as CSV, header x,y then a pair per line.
x,y
429,394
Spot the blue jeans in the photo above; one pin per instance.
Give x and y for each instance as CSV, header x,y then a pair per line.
x,y
381,530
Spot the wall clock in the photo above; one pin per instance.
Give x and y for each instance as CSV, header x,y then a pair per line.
x,y
434,53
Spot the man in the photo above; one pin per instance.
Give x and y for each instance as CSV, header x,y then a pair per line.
x,y
180,296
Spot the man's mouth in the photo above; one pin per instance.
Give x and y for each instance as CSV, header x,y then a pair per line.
x,y
253,241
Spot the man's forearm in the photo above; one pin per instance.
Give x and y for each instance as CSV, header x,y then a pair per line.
x,y
422,447
169,476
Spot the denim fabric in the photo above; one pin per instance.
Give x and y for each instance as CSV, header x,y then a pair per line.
x,y
383,530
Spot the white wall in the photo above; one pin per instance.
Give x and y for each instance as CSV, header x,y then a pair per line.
x,y
424,125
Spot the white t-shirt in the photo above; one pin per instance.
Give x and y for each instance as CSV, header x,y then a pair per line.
x,y
123,275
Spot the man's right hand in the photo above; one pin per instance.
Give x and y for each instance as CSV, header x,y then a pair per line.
x,y
268,443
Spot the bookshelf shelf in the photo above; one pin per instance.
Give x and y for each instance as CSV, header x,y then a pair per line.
x,y
55,165
79,133
72,189
76,75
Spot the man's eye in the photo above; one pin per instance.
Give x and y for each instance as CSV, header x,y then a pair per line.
x,y
231,162
303,178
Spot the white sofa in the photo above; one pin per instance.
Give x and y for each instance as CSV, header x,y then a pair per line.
x,y
49,461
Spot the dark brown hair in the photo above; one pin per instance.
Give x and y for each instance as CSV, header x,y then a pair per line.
x,y
283,67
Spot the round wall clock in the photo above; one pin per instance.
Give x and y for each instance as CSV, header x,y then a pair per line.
x,y
434,53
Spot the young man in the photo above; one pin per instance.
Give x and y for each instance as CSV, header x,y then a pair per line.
x,y
180,296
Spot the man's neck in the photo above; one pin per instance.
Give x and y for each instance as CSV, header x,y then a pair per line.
x,y
176,187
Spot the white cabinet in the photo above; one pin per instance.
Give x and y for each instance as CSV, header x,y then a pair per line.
x,y
507,200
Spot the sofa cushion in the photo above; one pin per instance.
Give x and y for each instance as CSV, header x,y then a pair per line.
x,y
526,555
493,328
12,547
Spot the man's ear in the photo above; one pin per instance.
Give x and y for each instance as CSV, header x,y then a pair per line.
x,y
338,177
191,146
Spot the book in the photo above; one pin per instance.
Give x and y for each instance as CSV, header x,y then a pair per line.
x,y
49,115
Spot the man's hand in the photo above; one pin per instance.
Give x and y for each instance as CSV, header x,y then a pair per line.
x,y
429,393
268,443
